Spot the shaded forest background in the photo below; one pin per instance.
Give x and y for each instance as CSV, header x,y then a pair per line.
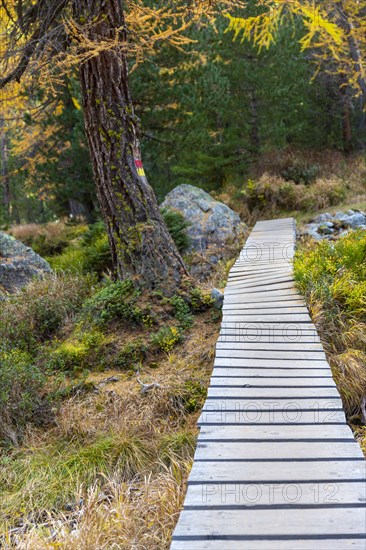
x,y
212,115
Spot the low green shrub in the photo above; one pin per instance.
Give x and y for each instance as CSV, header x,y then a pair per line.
x,y
300,172
36,313
166,338
77,353
182,312
21,390
200,301
131,354
115,301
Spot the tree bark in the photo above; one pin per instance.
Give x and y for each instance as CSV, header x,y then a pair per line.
x,y
142,248
4,170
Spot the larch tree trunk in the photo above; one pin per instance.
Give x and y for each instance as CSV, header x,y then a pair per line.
x,y
142,248
4,169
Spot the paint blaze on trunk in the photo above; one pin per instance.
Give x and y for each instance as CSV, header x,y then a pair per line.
x,y
142,248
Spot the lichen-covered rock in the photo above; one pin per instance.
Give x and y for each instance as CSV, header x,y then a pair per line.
x,y
331,226
19,264
213,225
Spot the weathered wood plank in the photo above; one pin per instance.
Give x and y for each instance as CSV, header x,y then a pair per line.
x,y
295,522
291,432
316,374
266,450
271,346
266,318
268,362
273,493
275,471
270,354
274,382
255,416
271,393
261,544
272,403
292,414
261,288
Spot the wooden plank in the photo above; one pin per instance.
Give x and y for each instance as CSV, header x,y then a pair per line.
x,y
274,471
267,278
266,450
264,372
292,414
257,405
270,354
264,309
242,274
268,362
272,393
271,346
278,296
267,318
273,493
261,544
295,522
274,382
288,286
291,432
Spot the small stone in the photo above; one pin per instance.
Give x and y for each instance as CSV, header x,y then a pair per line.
x,y
218,298
341,216
324,230
323,218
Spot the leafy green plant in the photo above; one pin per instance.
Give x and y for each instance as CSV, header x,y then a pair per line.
x,y
182,312
166,338
115,301
200,301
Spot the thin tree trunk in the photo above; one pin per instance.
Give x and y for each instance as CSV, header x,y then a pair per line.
x,y
4,169
254,125
142,248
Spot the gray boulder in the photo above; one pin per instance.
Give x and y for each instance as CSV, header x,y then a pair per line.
x,y
19,264
217,297
328,226
213,225
358,219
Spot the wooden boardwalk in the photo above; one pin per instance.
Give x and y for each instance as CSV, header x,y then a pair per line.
x,y
276,466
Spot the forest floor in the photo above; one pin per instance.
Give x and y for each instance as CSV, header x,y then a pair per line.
x,y
102,386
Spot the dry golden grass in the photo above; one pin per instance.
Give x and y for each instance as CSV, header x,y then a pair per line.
x,y
131,501
28,232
